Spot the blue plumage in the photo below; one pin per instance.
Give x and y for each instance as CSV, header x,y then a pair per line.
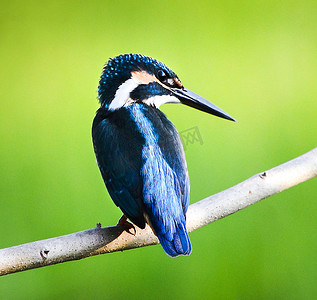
x,y
139,151
141,176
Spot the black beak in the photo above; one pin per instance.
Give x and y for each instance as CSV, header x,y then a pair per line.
x,y
191,99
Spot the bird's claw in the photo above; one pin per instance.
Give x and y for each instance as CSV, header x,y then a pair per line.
x,y
123,221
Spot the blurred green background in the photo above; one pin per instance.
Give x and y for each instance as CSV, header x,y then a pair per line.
x,y
255,59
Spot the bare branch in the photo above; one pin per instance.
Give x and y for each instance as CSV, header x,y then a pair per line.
x,y
110,239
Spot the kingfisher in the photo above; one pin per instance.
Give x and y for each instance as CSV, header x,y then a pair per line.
x,y
139,151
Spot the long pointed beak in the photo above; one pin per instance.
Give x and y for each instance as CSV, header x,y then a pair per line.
x,y
191,99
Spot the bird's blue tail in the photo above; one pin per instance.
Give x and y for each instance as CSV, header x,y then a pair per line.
x,y
178,243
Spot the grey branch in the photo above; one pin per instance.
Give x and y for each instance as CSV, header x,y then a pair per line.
x,y
110,239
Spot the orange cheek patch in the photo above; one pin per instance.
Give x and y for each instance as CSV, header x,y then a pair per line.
x,y
178,82
143,77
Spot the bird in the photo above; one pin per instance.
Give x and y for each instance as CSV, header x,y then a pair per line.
x,y
139,151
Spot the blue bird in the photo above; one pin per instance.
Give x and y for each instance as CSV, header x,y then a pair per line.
x,y
139,151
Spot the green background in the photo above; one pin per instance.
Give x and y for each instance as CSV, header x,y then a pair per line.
x,y
255,59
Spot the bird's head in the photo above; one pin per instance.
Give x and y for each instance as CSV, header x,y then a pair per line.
x,y
135,78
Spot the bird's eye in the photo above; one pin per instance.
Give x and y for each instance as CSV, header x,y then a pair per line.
x,y
164,77
161,75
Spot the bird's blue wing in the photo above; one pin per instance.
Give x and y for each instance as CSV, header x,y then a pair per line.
x,y
165,179
118,148
173,152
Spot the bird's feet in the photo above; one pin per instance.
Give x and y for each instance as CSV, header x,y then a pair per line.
x,y
123,221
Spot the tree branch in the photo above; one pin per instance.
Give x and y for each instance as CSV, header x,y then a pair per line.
x,y
110,239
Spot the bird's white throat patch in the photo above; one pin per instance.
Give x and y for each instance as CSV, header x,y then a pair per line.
x,y
158,100
122,96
